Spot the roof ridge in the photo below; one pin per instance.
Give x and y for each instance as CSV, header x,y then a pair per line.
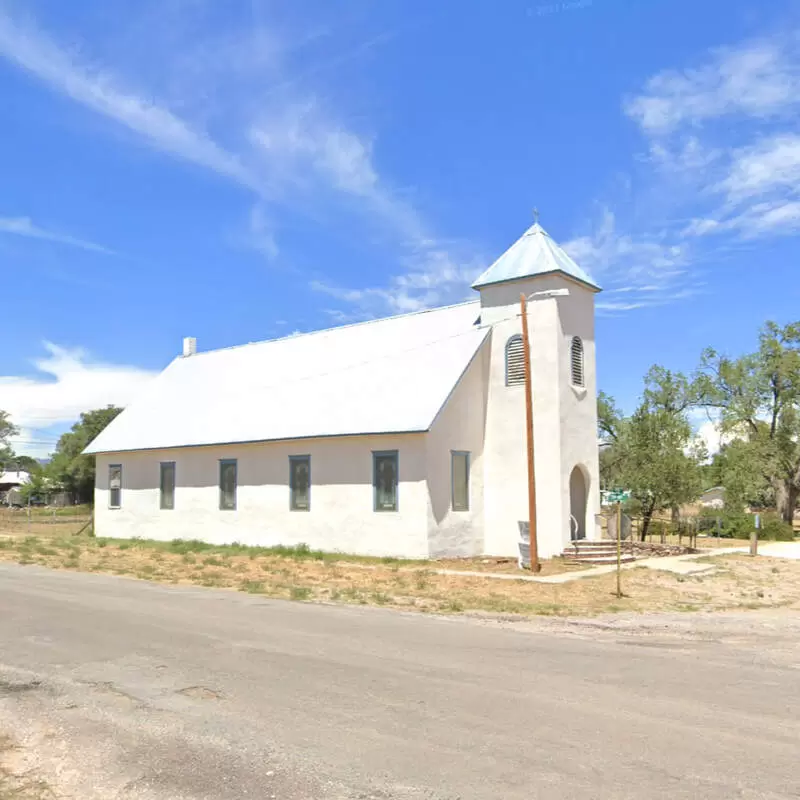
x,y
334,328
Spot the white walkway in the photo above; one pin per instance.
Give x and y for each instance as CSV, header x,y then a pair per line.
x,y
681,565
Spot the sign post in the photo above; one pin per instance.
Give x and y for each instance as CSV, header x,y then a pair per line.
x,y
754,536
619,496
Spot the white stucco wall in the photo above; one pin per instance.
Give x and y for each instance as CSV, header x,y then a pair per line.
x,y
579,406
341,516
459,426
564,424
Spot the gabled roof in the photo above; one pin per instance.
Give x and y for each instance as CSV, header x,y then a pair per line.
x,y
19,477
534,253
387,376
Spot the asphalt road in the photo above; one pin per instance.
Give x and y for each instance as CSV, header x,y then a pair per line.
x,y
124,689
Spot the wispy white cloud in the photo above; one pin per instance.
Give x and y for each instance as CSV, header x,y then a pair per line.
x,y
760,79
644,268
260,234
67,381
721,160
24,226
100,90
436,281
280,141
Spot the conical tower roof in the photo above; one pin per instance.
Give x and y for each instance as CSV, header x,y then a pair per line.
x,y
534,253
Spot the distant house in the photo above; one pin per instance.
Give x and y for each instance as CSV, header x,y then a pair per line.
x,y
10,482
713,497
396,437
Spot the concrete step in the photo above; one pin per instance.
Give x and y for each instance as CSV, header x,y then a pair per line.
x,y
625,558
588,544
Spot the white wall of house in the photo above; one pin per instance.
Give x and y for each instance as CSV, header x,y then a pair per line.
x,y
459,426
341,516
563,422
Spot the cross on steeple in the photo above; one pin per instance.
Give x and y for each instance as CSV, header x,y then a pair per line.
x,y
536,215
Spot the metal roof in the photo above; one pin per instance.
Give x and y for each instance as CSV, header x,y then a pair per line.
x,y
386,376
534,253
19,477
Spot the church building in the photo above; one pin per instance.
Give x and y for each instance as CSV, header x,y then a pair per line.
x,y
403,436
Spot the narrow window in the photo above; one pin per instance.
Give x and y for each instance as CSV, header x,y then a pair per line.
x,y
300,483
227,484
515,362
460,480
167,484
576,360
115,485
384,480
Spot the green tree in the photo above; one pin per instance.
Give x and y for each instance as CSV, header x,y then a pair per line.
x,y
27,463
69,468
758,397
653,452
609,423
7,430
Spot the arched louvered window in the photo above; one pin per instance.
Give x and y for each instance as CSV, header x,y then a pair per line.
x,y
576,361
515,361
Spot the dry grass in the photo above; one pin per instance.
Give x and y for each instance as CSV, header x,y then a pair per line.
x,y
15,786
45,522
305,575
505,566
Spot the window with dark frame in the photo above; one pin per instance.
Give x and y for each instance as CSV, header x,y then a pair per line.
x,y
167,484
460,480
115,485
300,483
384,480
227,484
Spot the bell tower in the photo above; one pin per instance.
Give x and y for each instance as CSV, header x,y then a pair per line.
x,y
562,347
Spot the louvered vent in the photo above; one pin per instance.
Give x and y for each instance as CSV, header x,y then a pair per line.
x,y
576,361
515,362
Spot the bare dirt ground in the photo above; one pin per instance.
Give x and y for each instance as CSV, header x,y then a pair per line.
x,y
18,780
738,582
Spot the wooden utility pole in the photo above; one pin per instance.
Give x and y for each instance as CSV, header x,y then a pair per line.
x,y
526,354
619,549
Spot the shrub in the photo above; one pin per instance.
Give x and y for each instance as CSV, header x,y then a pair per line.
x,y
300,592
775,529
738,525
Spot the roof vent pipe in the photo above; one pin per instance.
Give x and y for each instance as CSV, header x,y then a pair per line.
x,y
189,346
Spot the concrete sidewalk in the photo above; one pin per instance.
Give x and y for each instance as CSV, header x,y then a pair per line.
x,y
680,565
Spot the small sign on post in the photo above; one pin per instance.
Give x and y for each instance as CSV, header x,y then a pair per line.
x,y
524,560
618,496
754,536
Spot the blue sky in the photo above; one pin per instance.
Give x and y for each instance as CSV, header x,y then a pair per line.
x,y
239,171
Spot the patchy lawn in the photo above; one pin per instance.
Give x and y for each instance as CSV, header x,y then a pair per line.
x,y
307,575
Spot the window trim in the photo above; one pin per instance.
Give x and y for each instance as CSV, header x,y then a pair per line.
x,y
513,339
223,462
577,353
292,461
468,456
161,465
110,505
376,454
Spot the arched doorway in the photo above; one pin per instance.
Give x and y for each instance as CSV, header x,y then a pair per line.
x,y
578,492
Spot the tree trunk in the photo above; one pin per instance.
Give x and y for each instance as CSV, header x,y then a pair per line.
x,y
786,494
647,515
